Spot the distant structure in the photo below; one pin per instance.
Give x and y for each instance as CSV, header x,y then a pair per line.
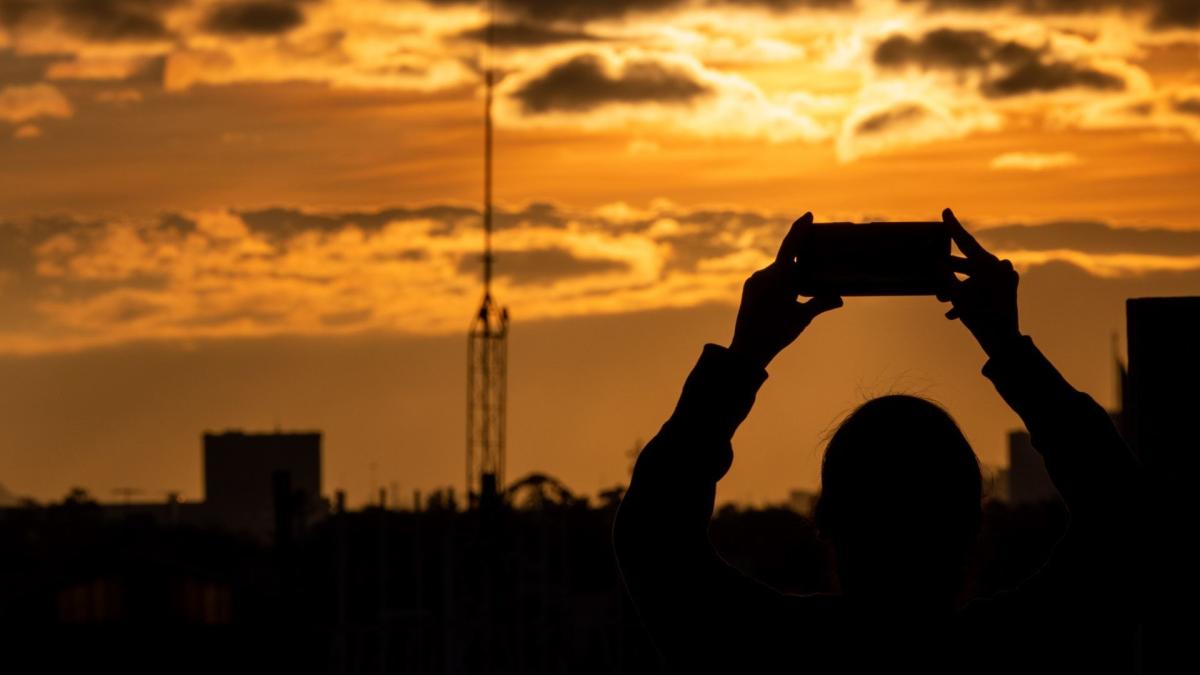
x,y
262,483
487,342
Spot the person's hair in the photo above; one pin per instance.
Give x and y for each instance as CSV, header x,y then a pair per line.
x,y
898,469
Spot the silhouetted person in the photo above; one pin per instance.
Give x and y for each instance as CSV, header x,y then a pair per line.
x,y
900,506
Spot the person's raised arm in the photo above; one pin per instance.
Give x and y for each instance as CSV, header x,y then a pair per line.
x,y
1098,477
694,604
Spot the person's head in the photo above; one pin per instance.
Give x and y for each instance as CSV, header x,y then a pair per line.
x,y
900,502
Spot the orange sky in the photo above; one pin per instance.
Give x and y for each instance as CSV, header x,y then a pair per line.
x,y
260,212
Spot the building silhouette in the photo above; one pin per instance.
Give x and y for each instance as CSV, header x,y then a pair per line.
x,y
262,483
1161,424
1164,369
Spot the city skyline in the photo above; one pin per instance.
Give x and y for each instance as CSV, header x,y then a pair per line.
x,y
267,214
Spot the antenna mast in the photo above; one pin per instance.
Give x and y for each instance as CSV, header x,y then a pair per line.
x,y
487,342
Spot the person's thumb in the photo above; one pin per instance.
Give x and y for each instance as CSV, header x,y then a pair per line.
x,y
821,304
806,311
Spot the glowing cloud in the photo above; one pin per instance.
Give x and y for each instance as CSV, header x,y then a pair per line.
x,y
221,273
22,103
1034,161
867,76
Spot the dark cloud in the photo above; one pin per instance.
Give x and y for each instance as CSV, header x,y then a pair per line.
x,y
881,121
1025,70
1177,14
280,224
526,34
542,266
255,18
582,83
24,69
1163,13
1190,106
947,48
585,10
786,5
1092,237
572,10
105,20
541,214
721,219
1036,76
1142,109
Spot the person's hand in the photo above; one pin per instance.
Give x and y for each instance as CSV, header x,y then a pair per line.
x,y
770,317
986,301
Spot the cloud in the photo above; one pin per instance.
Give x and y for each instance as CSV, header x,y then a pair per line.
x,y
256,17
949,48
1023,69
95,68
27,131
101,20
224,274
1034,161
77,284
526,34
1036,76
1189,106
905,122
1093,238
902,115
22,103
586,82
588,10
1171,109
1162,13
629,90
573,10
541,266
772,71
119,96
1177,14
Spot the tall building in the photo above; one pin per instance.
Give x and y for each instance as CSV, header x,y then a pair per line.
x,y
1164,384
262,482
1163,428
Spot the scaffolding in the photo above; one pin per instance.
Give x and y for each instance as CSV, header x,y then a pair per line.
x,y
487,342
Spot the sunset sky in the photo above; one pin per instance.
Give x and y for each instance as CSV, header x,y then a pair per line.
x,y
265,214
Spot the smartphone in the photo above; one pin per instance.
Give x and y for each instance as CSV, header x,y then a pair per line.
x,y
874,259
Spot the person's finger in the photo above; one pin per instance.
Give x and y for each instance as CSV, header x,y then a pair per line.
x,y
821,303
791,243
950,289
960,264
965,241
952,314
